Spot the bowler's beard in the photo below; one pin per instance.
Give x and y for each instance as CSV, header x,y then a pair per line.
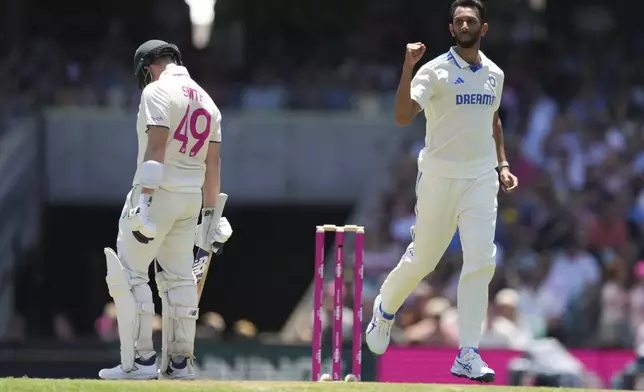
x,y
469,42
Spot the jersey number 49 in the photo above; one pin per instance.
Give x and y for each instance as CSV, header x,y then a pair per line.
x,y
189,129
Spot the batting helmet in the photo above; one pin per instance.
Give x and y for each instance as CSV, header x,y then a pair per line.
x,y
147,53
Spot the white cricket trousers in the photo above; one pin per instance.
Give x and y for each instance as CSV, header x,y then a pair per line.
x,y
444,204
175,216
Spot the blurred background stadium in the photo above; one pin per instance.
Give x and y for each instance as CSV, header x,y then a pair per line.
x,y
306,89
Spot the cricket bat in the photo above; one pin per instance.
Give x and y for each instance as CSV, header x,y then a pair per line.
x,y
202,259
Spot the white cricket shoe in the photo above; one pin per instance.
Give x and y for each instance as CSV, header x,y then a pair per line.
x,y
183,370
143,370
468,364
379,330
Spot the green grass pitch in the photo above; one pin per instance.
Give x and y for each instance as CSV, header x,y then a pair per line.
x,y
44,385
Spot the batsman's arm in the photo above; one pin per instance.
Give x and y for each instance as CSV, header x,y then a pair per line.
x,y
212,182
155,104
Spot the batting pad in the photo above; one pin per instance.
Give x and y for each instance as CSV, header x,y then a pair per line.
x,y
134,309
180,313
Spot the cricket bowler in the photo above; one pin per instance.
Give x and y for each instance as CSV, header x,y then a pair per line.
x,y
459,171
179,136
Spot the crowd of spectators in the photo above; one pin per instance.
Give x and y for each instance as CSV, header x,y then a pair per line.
x,y
42,75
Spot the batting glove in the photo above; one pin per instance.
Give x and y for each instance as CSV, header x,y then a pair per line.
x,y
143,230
211,236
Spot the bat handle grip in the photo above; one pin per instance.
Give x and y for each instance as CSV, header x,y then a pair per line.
x,y
219,248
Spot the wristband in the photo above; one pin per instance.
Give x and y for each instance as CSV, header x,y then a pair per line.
x,y
151,174
501,165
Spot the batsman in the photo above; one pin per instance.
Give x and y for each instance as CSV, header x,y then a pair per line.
x,y
177,178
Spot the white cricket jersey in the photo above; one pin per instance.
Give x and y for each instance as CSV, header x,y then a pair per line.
x,y
177,102
459,101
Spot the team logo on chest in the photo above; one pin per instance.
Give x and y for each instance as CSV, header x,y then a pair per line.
x,y
492,81
480,93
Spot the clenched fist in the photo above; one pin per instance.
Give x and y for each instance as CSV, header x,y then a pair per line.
x,y
414,53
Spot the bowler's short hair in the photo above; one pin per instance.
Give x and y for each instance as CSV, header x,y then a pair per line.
x,y
475,4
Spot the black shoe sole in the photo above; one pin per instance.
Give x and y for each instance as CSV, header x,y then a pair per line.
x,y
484,379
